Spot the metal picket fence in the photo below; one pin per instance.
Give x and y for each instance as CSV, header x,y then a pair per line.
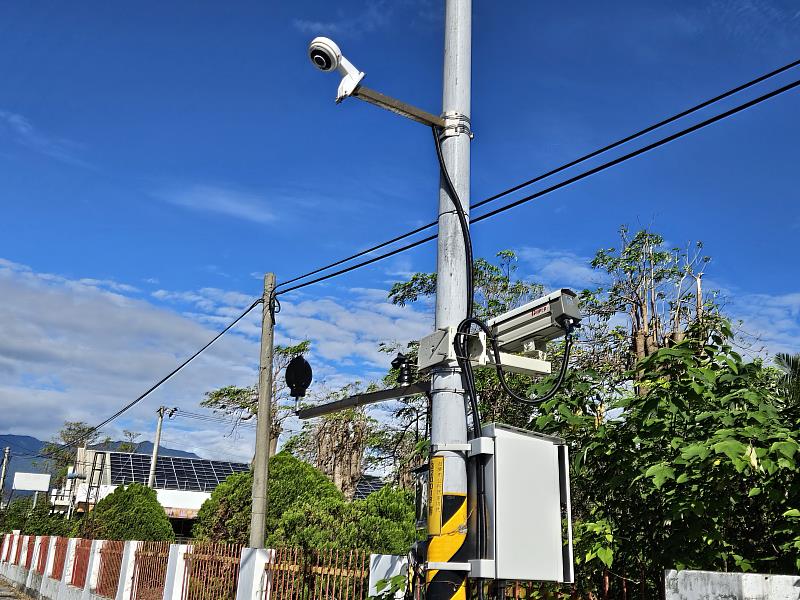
x,y
294,574
110,567
59,558
150,570
212,571
80,565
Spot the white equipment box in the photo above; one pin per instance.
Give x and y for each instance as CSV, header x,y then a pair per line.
x,y
528,506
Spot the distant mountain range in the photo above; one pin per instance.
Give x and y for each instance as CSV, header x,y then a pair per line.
x,y
24,449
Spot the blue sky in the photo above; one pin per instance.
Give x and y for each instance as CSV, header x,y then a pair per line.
x,y
156,158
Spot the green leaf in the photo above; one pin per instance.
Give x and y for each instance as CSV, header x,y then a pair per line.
x,y
660,474
754,492
606,555
696,450
788,449
733,449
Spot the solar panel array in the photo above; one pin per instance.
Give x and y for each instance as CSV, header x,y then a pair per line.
x,y
172,472
368,484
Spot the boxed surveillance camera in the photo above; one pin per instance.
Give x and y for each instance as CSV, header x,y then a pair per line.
x,y
538,321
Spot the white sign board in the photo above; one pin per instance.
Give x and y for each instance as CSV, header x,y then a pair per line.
x,y
32,482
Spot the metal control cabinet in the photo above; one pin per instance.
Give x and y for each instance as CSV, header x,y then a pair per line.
x,y
528,506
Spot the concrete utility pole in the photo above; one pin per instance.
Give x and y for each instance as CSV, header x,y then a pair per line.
x,y
258,518
447,532
151,479
6,456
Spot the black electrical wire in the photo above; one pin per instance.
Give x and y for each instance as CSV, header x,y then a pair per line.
x,y
635,153
156,385
553,188
462,348
467,373
556,170
644,131
462,219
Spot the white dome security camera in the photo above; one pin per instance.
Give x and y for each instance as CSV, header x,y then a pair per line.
x,y
326,56
324,53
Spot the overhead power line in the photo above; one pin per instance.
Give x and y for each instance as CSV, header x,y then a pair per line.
x,y
635,153
485,216
156,385
547,190
536,179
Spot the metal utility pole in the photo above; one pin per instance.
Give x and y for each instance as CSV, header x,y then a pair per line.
x,y
447,525
6,456
258,518
151,479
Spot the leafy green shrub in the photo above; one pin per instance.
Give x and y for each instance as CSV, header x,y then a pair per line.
x,y
225,516
130,513
699,470
382,523
33,521
41,522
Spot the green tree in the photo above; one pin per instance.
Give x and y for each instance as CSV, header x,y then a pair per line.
x,y
338,444
15,514
40,521
698,472
382,523
225,516
683,453
129,444
61,450
241,403
129,513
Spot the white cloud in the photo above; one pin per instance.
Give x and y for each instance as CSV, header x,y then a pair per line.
x,y
769,323
760,22
376,14
559,268
78,349
25,133
220,200
75,349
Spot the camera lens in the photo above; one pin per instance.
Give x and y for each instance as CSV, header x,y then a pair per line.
x,y
321,59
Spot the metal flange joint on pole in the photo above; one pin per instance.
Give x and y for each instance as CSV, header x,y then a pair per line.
x,y
258,517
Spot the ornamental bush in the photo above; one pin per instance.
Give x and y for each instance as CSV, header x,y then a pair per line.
x,y
382,523
129,513
225,516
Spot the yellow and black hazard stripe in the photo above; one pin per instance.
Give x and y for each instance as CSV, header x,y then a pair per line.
x,y
449,545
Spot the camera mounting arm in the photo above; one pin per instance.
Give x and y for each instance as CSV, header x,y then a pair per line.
x,y
398,107
326,56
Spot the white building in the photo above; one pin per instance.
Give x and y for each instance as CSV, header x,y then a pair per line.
x,y
181,484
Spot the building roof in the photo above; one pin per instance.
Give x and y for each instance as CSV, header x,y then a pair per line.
x,y
172,472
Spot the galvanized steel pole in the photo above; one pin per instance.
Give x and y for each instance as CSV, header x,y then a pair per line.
x,y
258,517
448,526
